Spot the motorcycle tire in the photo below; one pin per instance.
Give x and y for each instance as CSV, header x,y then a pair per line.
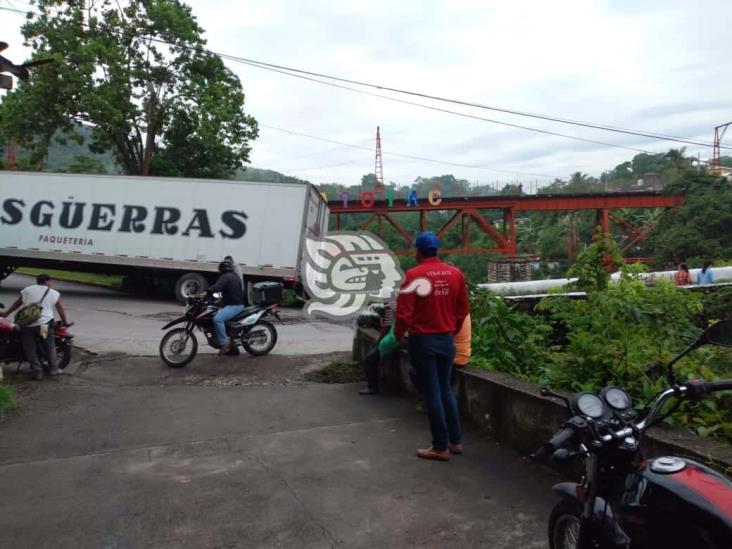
x,y
63,354
176,357
256,351
564,523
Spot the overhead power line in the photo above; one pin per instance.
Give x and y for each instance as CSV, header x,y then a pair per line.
x,y
408,156
309,75
556,119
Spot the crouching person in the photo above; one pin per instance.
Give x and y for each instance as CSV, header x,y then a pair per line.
x,y
383,347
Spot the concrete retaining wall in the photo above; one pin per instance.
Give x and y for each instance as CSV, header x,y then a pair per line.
x,y
513,413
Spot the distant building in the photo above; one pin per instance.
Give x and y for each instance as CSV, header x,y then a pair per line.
x,y
649,182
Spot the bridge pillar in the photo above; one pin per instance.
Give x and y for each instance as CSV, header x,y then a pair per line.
x,y
602,220
509,231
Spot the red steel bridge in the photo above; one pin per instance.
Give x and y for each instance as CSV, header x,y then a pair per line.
x,y
468,212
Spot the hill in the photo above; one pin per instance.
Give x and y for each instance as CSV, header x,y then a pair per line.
x,y
66,155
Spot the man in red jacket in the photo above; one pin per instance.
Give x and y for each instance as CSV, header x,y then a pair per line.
x,y
431,307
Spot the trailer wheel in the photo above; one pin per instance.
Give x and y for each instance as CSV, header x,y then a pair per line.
x,y
189,285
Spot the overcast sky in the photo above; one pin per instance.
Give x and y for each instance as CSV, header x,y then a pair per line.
x,y
659,66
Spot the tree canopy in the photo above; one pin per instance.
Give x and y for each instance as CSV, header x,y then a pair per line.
x,y
137,73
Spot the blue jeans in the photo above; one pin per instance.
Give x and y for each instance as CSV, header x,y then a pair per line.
x,y
226,313
432,357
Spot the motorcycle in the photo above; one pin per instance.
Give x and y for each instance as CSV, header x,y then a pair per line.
x,y
11,348
624,500
256,336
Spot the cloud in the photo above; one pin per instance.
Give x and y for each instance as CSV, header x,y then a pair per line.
x,y
657,66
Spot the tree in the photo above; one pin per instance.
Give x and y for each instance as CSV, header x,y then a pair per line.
x,y
138,74
368,181
701,228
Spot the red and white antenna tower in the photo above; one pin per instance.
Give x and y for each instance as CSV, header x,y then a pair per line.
x,y
379,165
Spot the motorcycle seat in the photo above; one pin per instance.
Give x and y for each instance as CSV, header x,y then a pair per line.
x,y
244,313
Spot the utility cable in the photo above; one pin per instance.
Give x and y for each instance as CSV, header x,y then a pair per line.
x,y
407,156
299,72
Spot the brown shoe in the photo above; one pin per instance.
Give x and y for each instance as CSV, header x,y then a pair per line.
x,y
225,349
431,453
456,449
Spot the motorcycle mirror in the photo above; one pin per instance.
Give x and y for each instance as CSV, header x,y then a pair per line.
x,y
719,334
549,393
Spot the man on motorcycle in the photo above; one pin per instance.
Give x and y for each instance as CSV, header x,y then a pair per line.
x,y
231,287
48,298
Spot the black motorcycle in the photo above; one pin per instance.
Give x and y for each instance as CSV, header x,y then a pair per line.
x,y
623,500
11,348
256,336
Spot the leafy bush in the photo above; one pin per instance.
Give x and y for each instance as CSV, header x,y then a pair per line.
x,y
507,340
622,335
717,305
595,263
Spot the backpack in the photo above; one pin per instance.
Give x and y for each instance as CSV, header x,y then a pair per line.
x,y
30,313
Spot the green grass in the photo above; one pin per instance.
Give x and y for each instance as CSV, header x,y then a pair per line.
x,y
110,281
7,399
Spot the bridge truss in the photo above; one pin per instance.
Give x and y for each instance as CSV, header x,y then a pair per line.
x,y
468,212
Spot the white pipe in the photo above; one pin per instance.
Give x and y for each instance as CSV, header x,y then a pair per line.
x,y
531,287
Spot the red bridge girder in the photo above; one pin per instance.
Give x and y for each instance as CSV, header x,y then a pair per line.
x,y
466,212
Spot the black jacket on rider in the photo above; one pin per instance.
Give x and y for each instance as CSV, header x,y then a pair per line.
x,y
231,287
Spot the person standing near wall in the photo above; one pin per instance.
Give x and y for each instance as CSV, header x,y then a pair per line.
x,y
682,277
463,341
706,275
431,307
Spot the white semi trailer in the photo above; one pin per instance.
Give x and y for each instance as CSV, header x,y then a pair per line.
x,y
163,230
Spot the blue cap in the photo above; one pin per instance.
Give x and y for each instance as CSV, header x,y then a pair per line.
x,y
426,240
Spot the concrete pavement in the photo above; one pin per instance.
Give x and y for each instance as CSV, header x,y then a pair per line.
x,y
103,460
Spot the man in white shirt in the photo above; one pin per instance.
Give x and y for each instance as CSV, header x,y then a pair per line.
x,y
40,292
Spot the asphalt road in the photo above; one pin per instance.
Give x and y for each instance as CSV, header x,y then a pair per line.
x,y
240,452
107,321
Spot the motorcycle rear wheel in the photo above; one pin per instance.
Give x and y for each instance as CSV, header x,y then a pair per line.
x,y
63,354
260,339
564,526
178,347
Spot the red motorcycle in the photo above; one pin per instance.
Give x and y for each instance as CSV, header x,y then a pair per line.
x,y
11,348
625,501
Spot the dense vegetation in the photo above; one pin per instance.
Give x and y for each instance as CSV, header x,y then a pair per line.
x,y
621,334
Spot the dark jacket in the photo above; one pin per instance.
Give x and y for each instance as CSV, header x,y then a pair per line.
x,y
230,285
